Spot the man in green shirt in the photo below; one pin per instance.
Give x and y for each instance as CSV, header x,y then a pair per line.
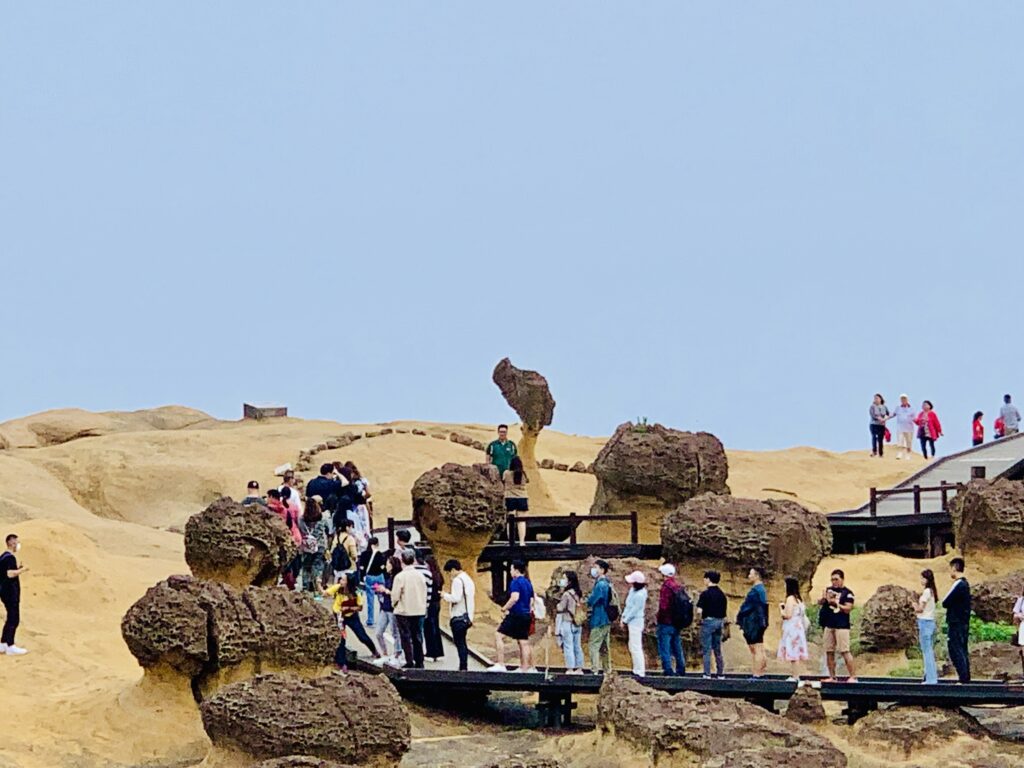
x,y
501,451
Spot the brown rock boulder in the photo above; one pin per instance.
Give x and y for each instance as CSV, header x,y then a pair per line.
x,y
237,545
805,706
888,621
989,515
994,600
1003,724
906,729
167,626
702,730
528,394
579,466
353,718
300,761
653,469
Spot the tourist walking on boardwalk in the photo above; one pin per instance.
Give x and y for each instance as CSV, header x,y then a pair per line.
x,y
977,429
878,414
633,617
834,617
1010,416
712,606
925,608
500,452
409,600
516,493
387,625
343,557
362,512
288,481
252,495
10,594
752,620
462,599
602,605
905,416
327,487
432,624
793,645
957,603
314,546
569,617
371,568
517,621
348,602
928,428
670,643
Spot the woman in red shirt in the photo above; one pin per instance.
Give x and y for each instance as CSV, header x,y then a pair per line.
x,y
978,429
928,428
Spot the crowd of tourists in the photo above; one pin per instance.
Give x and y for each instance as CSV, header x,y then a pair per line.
x,y
924,425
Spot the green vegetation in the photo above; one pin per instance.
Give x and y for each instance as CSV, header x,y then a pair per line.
x,y
914,669
641,424
990,631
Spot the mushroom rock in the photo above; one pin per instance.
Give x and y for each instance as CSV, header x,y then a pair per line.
x,y
355,718
458,508
528,394
238,545
167,626
989,516
652,469
693,729
993,600
888,621
906,729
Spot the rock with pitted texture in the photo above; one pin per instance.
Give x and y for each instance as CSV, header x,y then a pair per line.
x,y
300,761
237,545
693,729
888,621
353,718
294,631
993,600
167,626
652,469
989,516
526,762
907,729
805,706
1003,723
528,394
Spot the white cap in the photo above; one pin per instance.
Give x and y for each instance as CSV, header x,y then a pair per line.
x,y
904,397
636,577
667,569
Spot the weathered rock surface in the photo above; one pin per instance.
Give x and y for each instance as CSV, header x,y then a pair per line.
x,y
528,394
805,706
200,627
994,600
1005,724
707,731
727,533
989,515
992,661
300,761
354,718
888,621
910,728
237,545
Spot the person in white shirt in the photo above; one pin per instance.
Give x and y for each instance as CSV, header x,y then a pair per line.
x,y
1010,416
463,608
925,609
904,414
289,482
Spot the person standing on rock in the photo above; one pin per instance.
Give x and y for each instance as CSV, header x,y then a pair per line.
x,y
252,495
670,642
929,429
905,427
500,452
836,603
568,626
752,620
409,599
462,599
517,621
878,414
601,604
957,603
633,615
1010,416
712,606
793,646
977,429
10,595
516,493
925,609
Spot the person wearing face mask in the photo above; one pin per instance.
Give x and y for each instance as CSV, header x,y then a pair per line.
x,y
568,622
10,595
603,611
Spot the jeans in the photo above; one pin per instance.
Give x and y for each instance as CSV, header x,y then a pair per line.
x,y
371,597
957,647
13,608
925,442
877,438
670,646
711,642
636,647
387,625
354,623
572,647
410,629
926,636
600,636
460,626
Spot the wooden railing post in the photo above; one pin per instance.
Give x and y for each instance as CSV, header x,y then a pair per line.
x,y
945,497
512,532
634,530
572,528
874,502
917,499
391,534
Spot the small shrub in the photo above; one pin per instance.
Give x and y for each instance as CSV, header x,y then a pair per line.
x,y
990,631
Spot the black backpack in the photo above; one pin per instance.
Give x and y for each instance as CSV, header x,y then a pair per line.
x,y
681,608
340,560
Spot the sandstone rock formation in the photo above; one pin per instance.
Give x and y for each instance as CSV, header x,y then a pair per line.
x,y
356,718
910,728
989,516
888,621
805,706
994,600
654,469
704,731
300,761
1004,723
237,545
201,629
458,508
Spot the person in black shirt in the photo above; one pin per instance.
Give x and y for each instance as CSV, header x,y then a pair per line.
x,y
327,487
957,603
834,617
712,605
252,495
10,595
371,566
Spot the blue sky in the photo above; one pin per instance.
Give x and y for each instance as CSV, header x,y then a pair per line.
x,y
740,220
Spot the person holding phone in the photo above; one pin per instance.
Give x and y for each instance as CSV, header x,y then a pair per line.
x,y
10,595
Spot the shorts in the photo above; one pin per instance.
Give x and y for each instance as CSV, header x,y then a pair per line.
x,y
756,638
837,640
517,505
516,626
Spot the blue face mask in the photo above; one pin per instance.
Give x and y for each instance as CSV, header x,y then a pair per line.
x,y
594,572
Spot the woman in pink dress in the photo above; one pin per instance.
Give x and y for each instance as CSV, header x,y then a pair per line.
x,y
793,645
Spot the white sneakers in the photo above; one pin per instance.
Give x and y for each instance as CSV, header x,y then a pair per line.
x,y
497,668
12,650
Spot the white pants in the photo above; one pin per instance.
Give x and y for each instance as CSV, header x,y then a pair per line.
x,y
636,647
905,440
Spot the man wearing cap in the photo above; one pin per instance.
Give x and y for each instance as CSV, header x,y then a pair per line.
x,y
905,428
252,495
633,619
670,643
599,601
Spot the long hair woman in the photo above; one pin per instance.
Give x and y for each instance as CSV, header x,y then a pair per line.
x,y
314,545
793,645
925,609
878,414
928,427
568,632
433,645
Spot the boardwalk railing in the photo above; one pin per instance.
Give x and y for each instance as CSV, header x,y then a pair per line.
x,y
943,488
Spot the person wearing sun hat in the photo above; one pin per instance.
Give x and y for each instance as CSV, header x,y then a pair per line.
x,y
904,414
633,615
